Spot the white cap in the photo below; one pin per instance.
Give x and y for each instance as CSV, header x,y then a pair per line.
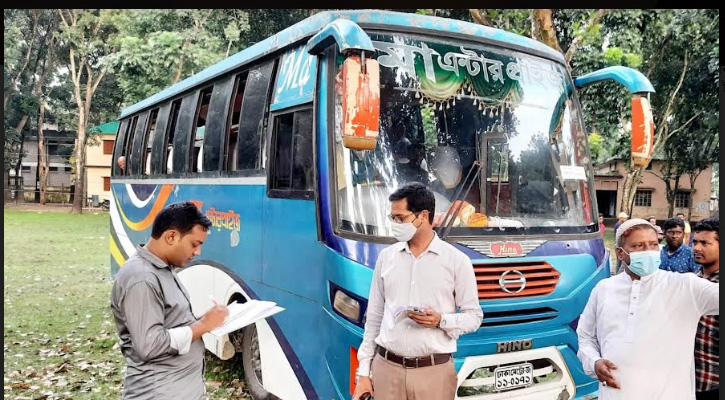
x,y
623,215
627,225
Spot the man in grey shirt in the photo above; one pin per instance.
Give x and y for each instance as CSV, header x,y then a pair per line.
x,y
159,334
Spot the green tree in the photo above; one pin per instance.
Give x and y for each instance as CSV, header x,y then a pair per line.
x,y
679,47
89,36
28,83
157,48
676,49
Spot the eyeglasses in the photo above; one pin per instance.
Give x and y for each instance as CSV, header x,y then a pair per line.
x,y
399,219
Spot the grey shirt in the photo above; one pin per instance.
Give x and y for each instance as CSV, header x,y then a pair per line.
x,y
147,301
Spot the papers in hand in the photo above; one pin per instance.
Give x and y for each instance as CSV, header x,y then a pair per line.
x,y
401,312
241,315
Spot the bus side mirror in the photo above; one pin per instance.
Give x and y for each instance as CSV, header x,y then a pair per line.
x,y
360,91
642,131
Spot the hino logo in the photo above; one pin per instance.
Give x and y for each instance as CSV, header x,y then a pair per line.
x,y
515,345
500,249
517,278
506,249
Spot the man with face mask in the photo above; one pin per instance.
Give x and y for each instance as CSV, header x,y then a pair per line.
x,y
635,334
411,359
158,333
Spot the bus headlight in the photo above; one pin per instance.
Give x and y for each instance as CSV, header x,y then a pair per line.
x,y
346,306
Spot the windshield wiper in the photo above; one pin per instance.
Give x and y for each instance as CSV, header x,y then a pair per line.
x,y
447,223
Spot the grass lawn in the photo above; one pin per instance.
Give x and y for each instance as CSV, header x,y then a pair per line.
x,y
60,339
59,335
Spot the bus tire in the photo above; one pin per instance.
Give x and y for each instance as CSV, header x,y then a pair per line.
x,y
252,363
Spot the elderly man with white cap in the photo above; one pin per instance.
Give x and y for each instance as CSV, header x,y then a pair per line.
x,y
622,217
635,334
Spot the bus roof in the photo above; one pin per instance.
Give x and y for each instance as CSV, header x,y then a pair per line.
x,y
365,18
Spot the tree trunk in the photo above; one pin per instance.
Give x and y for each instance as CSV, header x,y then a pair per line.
x,y
542,28
693,179
672,196
479,17
177,75
42,157
630,187
80,193
579,38
19,129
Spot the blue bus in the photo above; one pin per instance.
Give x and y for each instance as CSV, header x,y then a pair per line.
x,y
291,148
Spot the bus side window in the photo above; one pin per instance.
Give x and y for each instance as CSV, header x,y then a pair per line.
x,y
134,157
185,133
128,140
231,152
118,146
255,104
147,143
292,173
133,154
197,140
211,153
169,142
157,159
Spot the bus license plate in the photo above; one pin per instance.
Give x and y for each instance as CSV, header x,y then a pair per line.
x,y
513,376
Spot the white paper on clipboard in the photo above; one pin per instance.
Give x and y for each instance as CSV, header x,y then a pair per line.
x,y
573,172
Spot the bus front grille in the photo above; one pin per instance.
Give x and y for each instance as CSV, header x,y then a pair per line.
x,y
515,279
500,318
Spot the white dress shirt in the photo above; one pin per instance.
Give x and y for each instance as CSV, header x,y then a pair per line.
x,y
442,278
180,338
647,328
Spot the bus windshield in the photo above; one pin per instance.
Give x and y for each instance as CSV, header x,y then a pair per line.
x,y
500,127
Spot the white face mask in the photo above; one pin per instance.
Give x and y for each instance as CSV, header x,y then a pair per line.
x,y
405,231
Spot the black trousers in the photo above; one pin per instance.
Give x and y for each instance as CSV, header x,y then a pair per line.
x,y
709,395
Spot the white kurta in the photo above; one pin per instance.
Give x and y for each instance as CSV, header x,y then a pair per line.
x,y
647,328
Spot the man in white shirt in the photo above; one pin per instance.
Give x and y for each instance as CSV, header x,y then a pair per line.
x,y
412,359
635,334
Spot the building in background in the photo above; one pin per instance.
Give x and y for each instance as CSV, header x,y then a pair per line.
x,y
58,149
651,195
99,157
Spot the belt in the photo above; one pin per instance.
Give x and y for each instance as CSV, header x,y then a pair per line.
x,y
414,362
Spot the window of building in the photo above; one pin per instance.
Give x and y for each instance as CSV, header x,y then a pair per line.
x,y
682,199
108,147
106,183
643,198
25,168
53,169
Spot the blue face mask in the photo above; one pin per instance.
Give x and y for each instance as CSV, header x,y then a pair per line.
x,y
643,263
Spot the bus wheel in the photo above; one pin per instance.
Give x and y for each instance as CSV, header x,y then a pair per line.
x,y
252,362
